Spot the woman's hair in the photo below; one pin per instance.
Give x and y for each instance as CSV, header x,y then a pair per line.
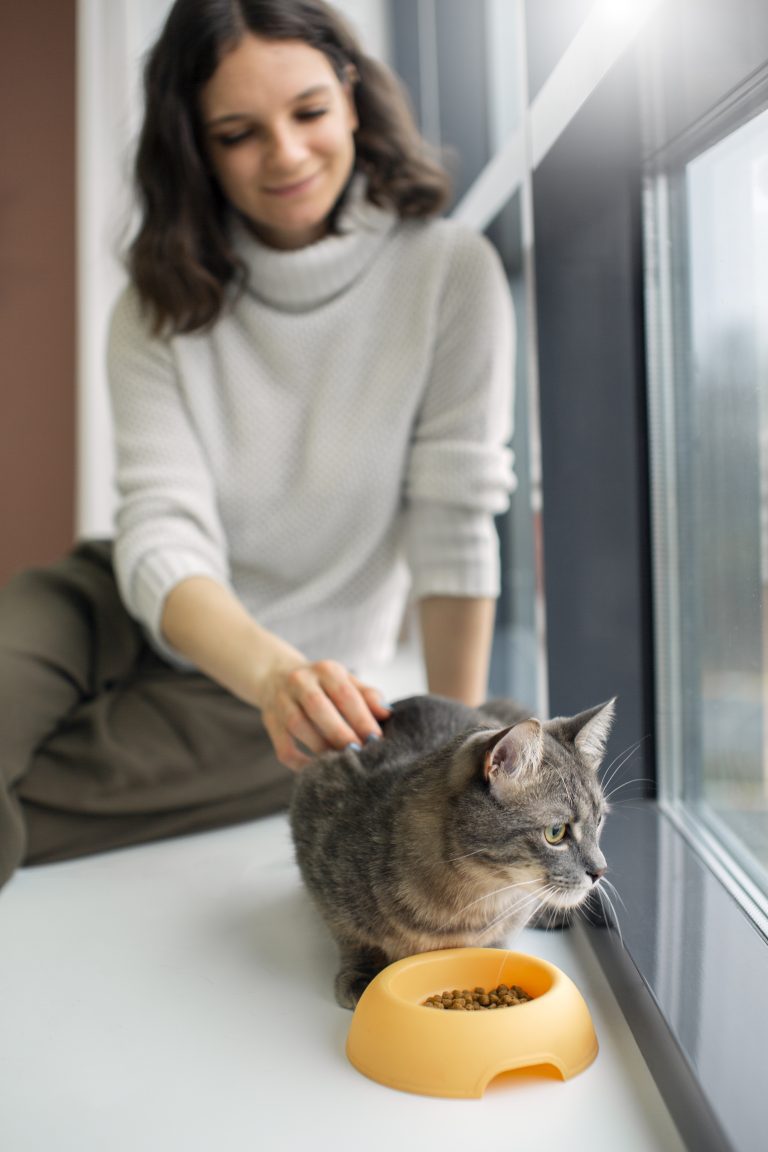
x,y
181,260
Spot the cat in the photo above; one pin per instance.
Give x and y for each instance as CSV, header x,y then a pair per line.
x,y
453,830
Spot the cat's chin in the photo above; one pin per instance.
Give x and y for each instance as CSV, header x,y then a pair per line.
x,y
567,898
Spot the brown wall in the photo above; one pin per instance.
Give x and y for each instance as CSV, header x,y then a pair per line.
x,y
37,281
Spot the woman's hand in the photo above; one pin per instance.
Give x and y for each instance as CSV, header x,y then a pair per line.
x,y
306,707
316,707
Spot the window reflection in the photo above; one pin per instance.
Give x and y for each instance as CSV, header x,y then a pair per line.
x,y
716,389
727,195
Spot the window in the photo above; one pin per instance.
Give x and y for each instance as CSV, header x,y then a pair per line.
x,y
708,216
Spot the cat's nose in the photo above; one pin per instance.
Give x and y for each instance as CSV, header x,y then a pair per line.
x,y
596,874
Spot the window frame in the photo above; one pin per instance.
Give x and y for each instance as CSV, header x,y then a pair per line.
x,y
666,302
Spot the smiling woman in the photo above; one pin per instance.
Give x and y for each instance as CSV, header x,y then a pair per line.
x,y
244,102
291,296
280,129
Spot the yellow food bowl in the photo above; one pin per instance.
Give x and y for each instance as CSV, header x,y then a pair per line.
x,y
397,1041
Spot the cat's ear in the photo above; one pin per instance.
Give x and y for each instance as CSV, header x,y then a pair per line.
x,y
589,732
512,751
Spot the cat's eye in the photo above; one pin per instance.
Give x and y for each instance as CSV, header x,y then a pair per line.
x,y
555,833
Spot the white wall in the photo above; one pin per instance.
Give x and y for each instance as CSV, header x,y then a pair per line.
x,y
370,20
113,36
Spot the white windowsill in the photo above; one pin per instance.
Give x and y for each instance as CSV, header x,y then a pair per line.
x,y
178,996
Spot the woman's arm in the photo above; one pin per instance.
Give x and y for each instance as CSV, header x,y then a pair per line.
x,y
171,562
320,705
456,636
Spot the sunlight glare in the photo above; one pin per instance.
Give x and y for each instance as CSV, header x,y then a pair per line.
x,y
626,13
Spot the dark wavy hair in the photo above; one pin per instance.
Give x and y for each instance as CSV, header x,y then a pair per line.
x,y
181,259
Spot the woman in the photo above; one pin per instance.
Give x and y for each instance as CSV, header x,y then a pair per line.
x,y
311,379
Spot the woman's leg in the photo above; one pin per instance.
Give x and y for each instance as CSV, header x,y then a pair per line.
x,y
159,754
110,745
49,662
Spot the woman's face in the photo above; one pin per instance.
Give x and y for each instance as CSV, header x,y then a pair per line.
x,y
279,129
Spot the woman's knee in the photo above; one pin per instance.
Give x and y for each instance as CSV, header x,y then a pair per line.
x,y
70,617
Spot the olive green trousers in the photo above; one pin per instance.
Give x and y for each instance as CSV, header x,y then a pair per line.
x,y
102,743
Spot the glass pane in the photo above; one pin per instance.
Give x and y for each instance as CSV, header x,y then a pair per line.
x,y
727,197
712,586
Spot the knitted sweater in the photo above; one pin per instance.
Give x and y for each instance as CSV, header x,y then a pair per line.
x,y
336,438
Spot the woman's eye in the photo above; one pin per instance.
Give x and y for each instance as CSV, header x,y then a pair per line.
x,y
231,141
555,833
311,113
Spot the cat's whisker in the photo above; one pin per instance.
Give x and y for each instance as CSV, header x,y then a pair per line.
x,y
530,899
634,780
593,898
551,918
615,891
501,968
520,903
550,891
451,859
495,892
566,789
618,763
616,920
622,757
583,908
604,896
513,909
603,911
553,890
567,912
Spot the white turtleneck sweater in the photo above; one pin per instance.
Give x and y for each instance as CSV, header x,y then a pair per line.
x,y
335,439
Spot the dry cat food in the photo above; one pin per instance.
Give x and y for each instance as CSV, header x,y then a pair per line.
x,y
477,999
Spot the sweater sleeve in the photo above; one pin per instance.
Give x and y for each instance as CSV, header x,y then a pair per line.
x,y
167,526
460,469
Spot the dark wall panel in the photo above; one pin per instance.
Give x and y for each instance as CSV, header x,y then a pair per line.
x,y
592,391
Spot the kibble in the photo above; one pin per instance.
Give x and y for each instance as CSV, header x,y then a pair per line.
x,y
479,1000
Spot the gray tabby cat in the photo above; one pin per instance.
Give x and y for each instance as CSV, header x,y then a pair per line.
x,y
452,831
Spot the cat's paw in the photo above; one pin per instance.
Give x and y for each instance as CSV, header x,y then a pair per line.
x,y
359,964
349,987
